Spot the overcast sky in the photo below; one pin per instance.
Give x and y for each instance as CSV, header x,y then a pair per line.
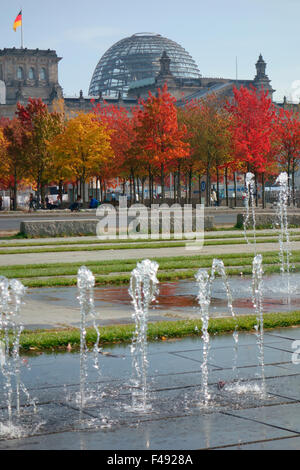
x,y
213,32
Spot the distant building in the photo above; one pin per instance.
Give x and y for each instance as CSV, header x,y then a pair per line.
x,y
127,72
26,73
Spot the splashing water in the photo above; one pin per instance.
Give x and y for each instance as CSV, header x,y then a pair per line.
x,y
11,295
204,299
284,237
218,267
143,290
85,284
257,275
250,188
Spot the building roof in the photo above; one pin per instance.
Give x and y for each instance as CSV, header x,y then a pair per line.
x,y
137,58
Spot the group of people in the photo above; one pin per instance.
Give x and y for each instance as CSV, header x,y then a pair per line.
x,y
53,205
77,205
47,204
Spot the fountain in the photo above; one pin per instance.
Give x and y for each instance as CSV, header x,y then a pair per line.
x,y
204,298
250,188
143,289
205,282
284,238
218,267
257,304
85,283
11,295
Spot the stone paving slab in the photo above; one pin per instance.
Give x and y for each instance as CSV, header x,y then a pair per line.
x,y
285,443
238,417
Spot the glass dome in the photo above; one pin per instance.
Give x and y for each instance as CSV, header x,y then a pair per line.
x,y
136,58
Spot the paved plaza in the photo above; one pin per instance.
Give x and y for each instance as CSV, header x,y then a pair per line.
x,y
237,418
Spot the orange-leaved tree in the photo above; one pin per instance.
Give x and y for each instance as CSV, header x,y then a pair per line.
x,y
252,125
16,163
83,147
287,128
160,140
40,126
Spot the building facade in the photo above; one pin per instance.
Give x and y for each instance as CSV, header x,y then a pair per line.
x,y
26,73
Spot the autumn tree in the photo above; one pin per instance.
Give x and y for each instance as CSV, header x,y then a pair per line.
x,y
83,147
209,136
252,125
15,162
124,162
287,130
40,126
4,166
159,137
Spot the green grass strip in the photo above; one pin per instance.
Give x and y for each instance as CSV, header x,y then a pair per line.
x,y
100,242
123,278
44,340
151,245
159,259
114,270
127,267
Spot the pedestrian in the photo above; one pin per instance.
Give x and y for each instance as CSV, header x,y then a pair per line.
x,y
76,205
31,202
94,203
244,198
1,202
214,198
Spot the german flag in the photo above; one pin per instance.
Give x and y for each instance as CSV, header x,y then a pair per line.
x,y
18,21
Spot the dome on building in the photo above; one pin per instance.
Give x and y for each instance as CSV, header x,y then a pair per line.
x,y
136,58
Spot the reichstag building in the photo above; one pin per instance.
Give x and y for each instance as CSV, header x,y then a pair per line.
x,y
125,73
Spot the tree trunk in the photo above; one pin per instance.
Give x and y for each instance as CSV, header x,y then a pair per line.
x,y
226,186
207,188
101,189
133,186
105,190
130,188
42,194
15,191
138,188
235,188
162,182
199,184
190,185
263,194
218,188
143,189
60,189
175,186
186,188
293,182
150,188
179,185
289,181
256,191
73,192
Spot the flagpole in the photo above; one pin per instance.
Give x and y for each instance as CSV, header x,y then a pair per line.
x,y
22,40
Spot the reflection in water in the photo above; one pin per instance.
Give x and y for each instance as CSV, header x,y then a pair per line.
x,y
181,296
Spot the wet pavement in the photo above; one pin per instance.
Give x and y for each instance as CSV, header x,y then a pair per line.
x,y
176,300
238,417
